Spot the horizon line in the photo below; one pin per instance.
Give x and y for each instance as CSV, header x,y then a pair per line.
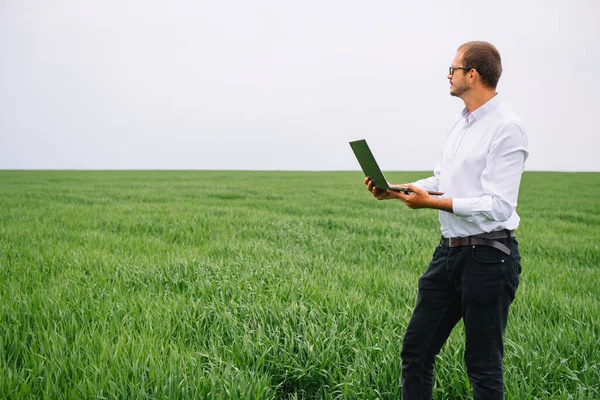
x,y
240,170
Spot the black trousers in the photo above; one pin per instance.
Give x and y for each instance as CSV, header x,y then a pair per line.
x,y
477,284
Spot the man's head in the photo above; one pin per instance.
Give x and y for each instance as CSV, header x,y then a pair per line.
x,y
475,64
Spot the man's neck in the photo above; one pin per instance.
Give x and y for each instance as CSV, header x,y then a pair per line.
x,y
476,98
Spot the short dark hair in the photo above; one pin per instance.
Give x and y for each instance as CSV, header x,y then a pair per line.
x,y
485,58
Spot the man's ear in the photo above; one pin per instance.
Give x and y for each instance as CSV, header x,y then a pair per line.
x,y
473,74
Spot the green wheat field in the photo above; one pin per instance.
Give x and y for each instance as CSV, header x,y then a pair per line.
x,y
268,285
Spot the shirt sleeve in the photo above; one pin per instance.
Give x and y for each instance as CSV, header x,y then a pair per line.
x,y
432,183
500,179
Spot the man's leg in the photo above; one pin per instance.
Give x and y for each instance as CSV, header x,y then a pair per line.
x,y
437,311
490,280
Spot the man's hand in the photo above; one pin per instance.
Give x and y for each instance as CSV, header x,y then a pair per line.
x,y
379,194
419,198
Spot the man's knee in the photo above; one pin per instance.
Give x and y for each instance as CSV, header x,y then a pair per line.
x,y
416,358
486,376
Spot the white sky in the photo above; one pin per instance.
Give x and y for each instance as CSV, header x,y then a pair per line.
x,y
283,85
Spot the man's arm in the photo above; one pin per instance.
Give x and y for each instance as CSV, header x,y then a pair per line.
x,y
419,198
500,179
431,184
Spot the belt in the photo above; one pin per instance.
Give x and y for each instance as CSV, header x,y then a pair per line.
x,y
483,239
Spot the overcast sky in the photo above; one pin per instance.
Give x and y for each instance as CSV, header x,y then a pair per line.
x,y
283,85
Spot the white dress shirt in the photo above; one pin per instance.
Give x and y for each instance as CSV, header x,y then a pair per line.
x,y
480,170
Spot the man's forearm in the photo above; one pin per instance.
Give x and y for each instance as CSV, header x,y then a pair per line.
x,y
441,204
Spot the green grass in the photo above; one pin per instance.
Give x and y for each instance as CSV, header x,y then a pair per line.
x,y
268,285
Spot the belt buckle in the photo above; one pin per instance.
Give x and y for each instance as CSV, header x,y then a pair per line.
x,y
453,242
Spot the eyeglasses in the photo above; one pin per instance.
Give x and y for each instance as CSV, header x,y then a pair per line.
x,y
451,69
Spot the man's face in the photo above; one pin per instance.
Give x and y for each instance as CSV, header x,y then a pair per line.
x,y
458,80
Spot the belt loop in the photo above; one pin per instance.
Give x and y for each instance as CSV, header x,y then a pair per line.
x,y
469,240
508,238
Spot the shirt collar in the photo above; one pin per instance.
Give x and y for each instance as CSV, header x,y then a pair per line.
x,y
481,111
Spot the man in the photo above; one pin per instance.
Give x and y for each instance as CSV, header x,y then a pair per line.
x,y
474,272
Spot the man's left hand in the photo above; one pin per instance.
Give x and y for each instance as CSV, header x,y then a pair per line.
x,y
419,198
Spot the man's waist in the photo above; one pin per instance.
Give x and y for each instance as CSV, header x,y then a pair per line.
x,y
501,234
454,226
490,239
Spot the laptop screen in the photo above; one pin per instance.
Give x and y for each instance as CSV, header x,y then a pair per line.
x,y
368,164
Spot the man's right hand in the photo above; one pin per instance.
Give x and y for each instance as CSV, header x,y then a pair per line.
x,y
379,194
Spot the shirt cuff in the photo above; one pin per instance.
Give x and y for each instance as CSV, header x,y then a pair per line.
x,y
461,207
468,206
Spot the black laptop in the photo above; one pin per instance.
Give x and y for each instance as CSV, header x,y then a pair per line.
x,y
371,169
